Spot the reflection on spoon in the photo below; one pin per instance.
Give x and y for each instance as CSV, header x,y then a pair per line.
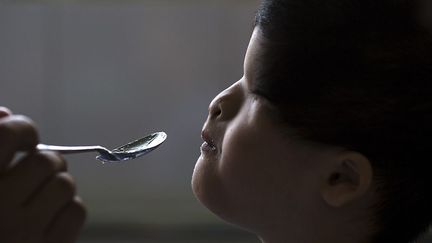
x,y
136,148
125,152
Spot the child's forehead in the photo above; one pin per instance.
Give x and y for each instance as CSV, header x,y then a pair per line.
x,y
252,54
263,56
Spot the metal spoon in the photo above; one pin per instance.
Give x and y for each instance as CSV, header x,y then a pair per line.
x,y
128,151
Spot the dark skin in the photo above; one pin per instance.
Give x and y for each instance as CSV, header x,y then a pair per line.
x,y
283,189
38,197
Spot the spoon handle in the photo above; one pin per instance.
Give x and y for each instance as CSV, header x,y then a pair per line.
x,y
69,149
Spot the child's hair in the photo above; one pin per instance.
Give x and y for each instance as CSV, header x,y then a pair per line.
x,y
356,74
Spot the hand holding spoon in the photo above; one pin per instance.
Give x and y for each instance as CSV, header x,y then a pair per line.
x,y
128,151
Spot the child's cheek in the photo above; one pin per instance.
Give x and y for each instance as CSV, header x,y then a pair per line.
x,y
242,159
245,144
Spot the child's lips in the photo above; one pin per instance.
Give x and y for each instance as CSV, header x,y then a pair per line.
x,y
209,145
207,148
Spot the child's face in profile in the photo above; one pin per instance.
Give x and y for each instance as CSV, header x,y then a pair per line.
x,y
250,172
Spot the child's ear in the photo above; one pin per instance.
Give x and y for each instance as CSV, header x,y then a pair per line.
x,y
348,179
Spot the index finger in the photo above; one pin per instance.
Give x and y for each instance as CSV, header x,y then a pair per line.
x,y
17,133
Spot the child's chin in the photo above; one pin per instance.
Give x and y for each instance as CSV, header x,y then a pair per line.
x,y
200,179
207,187
219,205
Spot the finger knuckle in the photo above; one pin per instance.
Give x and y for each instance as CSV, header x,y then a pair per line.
x,y
80,209
65,184
50,161
15,126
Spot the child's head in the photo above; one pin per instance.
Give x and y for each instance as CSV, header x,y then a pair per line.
x,y
326,136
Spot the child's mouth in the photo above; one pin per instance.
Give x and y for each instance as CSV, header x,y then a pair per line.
x,y
207,147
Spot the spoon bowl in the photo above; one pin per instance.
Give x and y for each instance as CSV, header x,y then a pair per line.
x,y
125,152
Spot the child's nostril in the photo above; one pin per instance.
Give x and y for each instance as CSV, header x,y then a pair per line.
x,y
218,113
215,111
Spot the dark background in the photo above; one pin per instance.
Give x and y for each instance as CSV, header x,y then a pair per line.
x,y
107,72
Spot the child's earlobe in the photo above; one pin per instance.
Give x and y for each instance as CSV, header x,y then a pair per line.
x,y
348,180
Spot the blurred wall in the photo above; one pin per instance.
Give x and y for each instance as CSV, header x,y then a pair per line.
x,y
107,73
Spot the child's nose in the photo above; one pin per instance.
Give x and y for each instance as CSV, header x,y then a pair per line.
x,y
226,104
